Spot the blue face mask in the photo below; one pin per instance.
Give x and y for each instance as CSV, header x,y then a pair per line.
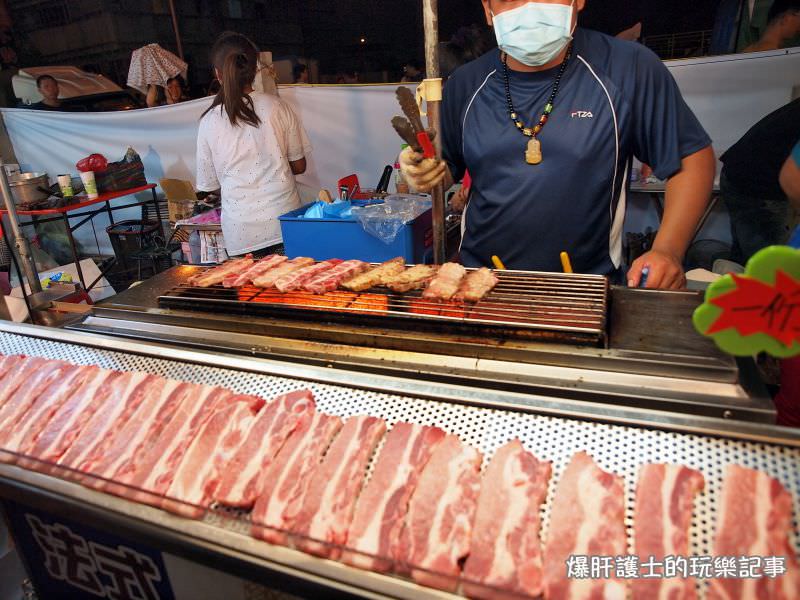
x,y
534,33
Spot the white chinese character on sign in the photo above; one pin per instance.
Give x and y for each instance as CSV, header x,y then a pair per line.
x,y
67,556
676,566
774,566
700,567
725,567
601,567
651,568
132,574
577,566
750,567
627,567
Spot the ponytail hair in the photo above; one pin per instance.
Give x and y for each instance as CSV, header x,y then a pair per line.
x,y
236,58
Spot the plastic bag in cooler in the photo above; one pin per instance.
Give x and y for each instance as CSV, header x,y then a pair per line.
x,y
339,209
385,220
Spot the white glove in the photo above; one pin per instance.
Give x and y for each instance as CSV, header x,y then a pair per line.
x,y
422,174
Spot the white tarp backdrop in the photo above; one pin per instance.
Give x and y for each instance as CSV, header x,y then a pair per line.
x,y
350,131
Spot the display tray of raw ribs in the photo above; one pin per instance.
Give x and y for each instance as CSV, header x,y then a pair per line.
x,y
412,500
448,292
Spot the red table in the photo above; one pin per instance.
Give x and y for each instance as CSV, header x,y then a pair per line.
x,y
63,213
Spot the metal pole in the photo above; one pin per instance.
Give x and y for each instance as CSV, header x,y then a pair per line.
x,y
20,241
175,27
430,17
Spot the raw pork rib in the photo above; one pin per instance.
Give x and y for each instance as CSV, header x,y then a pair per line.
x,y
41,406
99,431
286,480
331,497
256,270
269,278
382,506
25,433
155,469
664,498
43,374
296,279
330,279
438,526
14,372
372,277
58,434
141,388
116,454
505,552
217,274
7,362
239,485
176,399
587,518
754,518
446,282
476,285
202,465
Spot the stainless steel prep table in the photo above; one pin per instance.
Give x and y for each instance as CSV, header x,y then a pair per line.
x,y
653,358
620,438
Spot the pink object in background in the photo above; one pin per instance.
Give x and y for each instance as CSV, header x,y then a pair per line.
x,y
211,217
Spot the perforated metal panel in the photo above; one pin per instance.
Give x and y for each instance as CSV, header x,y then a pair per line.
x,y
617,448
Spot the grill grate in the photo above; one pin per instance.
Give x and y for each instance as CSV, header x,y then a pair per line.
x,y
618,448
523,305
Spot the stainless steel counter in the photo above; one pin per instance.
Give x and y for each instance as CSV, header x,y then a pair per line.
x,y
553,427
654,359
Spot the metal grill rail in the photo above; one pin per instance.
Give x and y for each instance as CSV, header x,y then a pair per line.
x,y
522,305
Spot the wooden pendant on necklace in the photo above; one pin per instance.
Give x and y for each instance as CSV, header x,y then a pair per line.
x,y
533,154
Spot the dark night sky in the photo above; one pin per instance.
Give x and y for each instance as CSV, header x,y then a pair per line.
x,y
609,16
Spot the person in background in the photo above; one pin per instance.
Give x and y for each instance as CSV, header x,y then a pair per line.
x,y
250,145
48,88
790,177
173,93
300,74
547,126
787,401
758,207
412,72
782,28
9,66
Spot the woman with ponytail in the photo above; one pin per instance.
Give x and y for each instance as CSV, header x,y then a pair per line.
x,y
250,145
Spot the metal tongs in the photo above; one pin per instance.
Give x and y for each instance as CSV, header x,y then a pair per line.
x,y
410,129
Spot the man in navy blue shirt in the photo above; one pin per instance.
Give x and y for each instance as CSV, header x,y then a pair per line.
x,y
547,126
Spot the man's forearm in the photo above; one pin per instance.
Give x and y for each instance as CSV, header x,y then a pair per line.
x,y
687,196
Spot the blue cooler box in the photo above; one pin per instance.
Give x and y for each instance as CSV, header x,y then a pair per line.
x,y
322,239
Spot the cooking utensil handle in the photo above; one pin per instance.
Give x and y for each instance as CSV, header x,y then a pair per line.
x,y
386,177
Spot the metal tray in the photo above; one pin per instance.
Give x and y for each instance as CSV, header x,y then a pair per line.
x,y
617,447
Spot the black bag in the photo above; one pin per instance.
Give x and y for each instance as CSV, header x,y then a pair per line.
x,y
123,175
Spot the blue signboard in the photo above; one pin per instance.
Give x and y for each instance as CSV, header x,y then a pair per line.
x,y
70,561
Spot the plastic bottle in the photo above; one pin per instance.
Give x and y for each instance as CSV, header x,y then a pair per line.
x,y
400,184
